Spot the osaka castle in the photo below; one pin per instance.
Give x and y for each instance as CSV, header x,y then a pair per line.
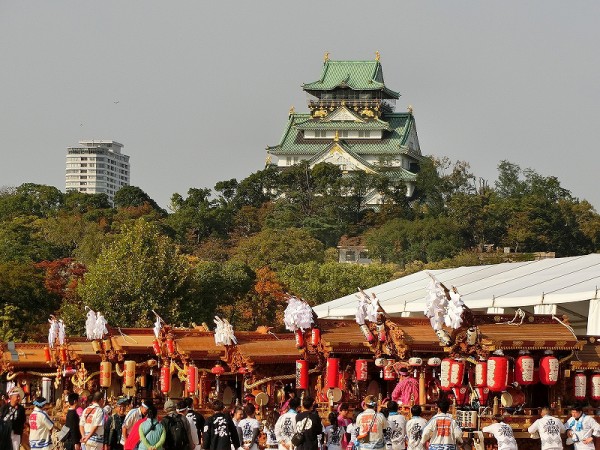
x,y
352,123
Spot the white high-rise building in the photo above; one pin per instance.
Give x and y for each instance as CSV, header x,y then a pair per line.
x,y
97,167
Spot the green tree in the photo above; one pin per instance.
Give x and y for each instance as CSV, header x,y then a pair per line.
x,y
21,239
30,199
276,248
133,196
140,271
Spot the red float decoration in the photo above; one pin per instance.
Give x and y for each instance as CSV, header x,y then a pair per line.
x,y
481,373
64,355
595,389
445,370
580,386
170,345
524,370
497,373
165,379
342,381
299,338
315,337
301,374
218,369
461,394
482,393
192,379
457,372
389,373
332,370
361,370
156,347
381,332
549,368
47,355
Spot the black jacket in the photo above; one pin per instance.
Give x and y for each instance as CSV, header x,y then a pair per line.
x,y
17,417
310,422
219,433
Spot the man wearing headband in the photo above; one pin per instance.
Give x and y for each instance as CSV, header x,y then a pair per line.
x,y
40,426
442,431
13,415
582,428
91,424
371,425
132,417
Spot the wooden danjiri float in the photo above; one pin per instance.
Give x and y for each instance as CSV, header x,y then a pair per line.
x,y
484,364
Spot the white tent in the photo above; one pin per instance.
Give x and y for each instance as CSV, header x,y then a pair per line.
x,y
561,286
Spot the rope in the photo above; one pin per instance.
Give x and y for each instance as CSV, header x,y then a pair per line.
x,y
519,313
568,327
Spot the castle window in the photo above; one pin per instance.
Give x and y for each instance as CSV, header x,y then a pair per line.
x,y
364,134
320,133
344,133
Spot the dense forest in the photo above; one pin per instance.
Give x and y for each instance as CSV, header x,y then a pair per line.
x,y
237,248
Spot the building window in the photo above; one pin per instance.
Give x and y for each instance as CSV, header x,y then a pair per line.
x,y
364,134
288,161
350,256
320,133
363,255
344,134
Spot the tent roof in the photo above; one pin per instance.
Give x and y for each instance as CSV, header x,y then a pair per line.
x,y
508,285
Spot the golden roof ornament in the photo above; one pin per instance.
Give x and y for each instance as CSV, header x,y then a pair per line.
x,y
268,160
336,138
377,56
326,57
410,109
292,111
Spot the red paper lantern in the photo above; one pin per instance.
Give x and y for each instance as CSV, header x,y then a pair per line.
x,y
457,372
595,390
549,368
381,332
388,371
165,379
156,347
361,369
63,355
301,374
170,346
47,355
482,393
497,373
315,337
105,372
218,370
299,338
367,333
461,394
192,379
524,367
580,386
481,373
129,378
445,370
333,368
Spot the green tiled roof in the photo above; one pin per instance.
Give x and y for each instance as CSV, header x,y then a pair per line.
x,y
320,124
356,75
400,174
393,143
347,149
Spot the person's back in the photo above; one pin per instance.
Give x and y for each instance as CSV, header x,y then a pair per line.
x,y
195,418
219,431
152,433
309,424
176,431
442,431
414,429
503,433
334,433
549,429
371,426
285,427
396,427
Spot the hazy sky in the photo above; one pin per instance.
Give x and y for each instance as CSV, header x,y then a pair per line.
x,y
204,86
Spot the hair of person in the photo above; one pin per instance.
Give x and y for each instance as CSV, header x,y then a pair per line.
x,y
152,413
294,403
344,407
443,405
577,408
189,402
498,418
392,406
416,410
249,409
333,420
73,398
97,396
385,411
218,406
237,408
307,402
181,405
272,417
